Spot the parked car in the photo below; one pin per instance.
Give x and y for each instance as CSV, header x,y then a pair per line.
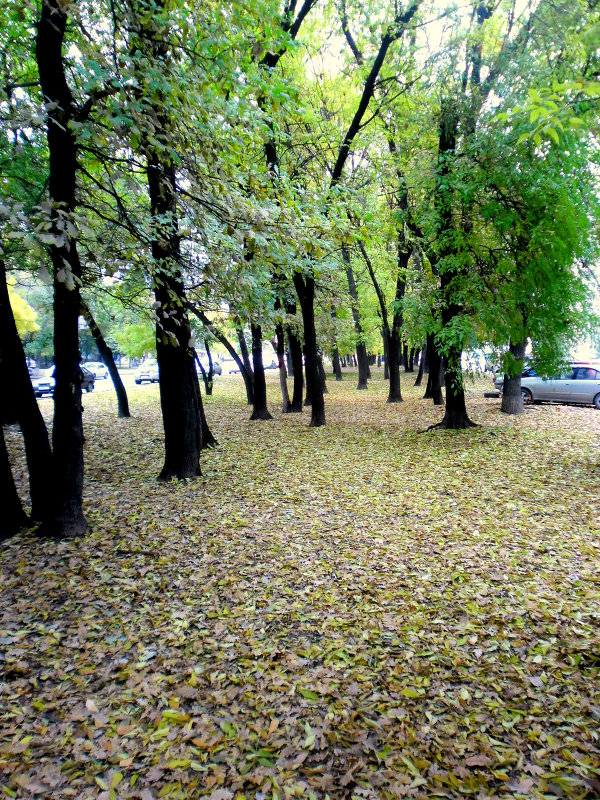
x,y
148,371
579,384
217,369
44,382
98,369
229,366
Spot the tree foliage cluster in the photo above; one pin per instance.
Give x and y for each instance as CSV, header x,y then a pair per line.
x,y
335,177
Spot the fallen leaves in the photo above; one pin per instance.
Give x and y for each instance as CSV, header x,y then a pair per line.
x,y
359,611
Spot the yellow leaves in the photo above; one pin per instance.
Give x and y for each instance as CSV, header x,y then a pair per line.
x,y
415,607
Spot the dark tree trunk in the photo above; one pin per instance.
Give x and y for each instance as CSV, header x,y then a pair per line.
x,y
208,383
337,367
290,363
434,383
108,358
421,365
405,357
280,349
411,360
228,346
14,373
245,360
305,289
211,368
13,518
395,393
335,354
361,350
386,357
259,407
67,433
456,416
180,397
296,362
512,400
322,374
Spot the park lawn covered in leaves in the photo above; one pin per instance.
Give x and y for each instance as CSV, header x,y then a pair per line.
x,y
361,610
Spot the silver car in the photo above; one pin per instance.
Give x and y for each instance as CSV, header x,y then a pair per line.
x,y
580,384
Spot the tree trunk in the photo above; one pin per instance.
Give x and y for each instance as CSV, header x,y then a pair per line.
x,y
322,374
208,384
14,373
405,357
411,360
305,289
290,363
335,354
421,365
395,392
433,390
386,357
512,400
108,358
259,407
245,360
361,350
68,519
296,362
13,517
280,349
228,346
180,398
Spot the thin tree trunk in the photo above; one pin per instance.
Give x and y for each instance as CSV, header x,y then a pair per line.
x,y
361,350
211,368
305,289
335,353
386,357
208,384
322,374
108,358
245,358
220,337
512,400
411,360
68,519
280,350
296,361
421,365
13,518
259,408
14,374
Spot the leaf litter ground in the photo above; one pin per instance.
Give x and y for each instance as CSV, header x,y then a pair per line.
x,y
363,610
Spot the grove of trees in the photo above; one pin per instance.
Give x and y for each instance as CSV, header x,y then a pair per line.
x,y
338,178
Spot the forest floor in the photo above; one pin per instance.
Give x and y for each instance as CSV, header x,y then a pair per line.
x,y
364,610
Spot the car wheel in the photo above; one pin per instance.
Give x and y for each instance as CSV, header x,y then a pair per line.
x,y
596,402
527,396
138,381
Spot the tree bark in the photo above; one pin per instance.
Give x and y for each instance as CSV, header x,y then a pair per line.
x,y
296,361
512,400
433,390
208,384
245,360
108,358
14,373
259,407
68,519
335,353
322,374
13,518
280,350
305,289
361,350
220,337
411,360
421,365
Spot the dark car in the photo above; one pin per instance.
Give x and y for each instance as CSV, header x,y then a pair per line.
x,y
43,383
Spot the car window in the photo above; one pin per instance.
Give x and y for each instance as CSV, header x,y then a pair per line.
x,y
586,374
